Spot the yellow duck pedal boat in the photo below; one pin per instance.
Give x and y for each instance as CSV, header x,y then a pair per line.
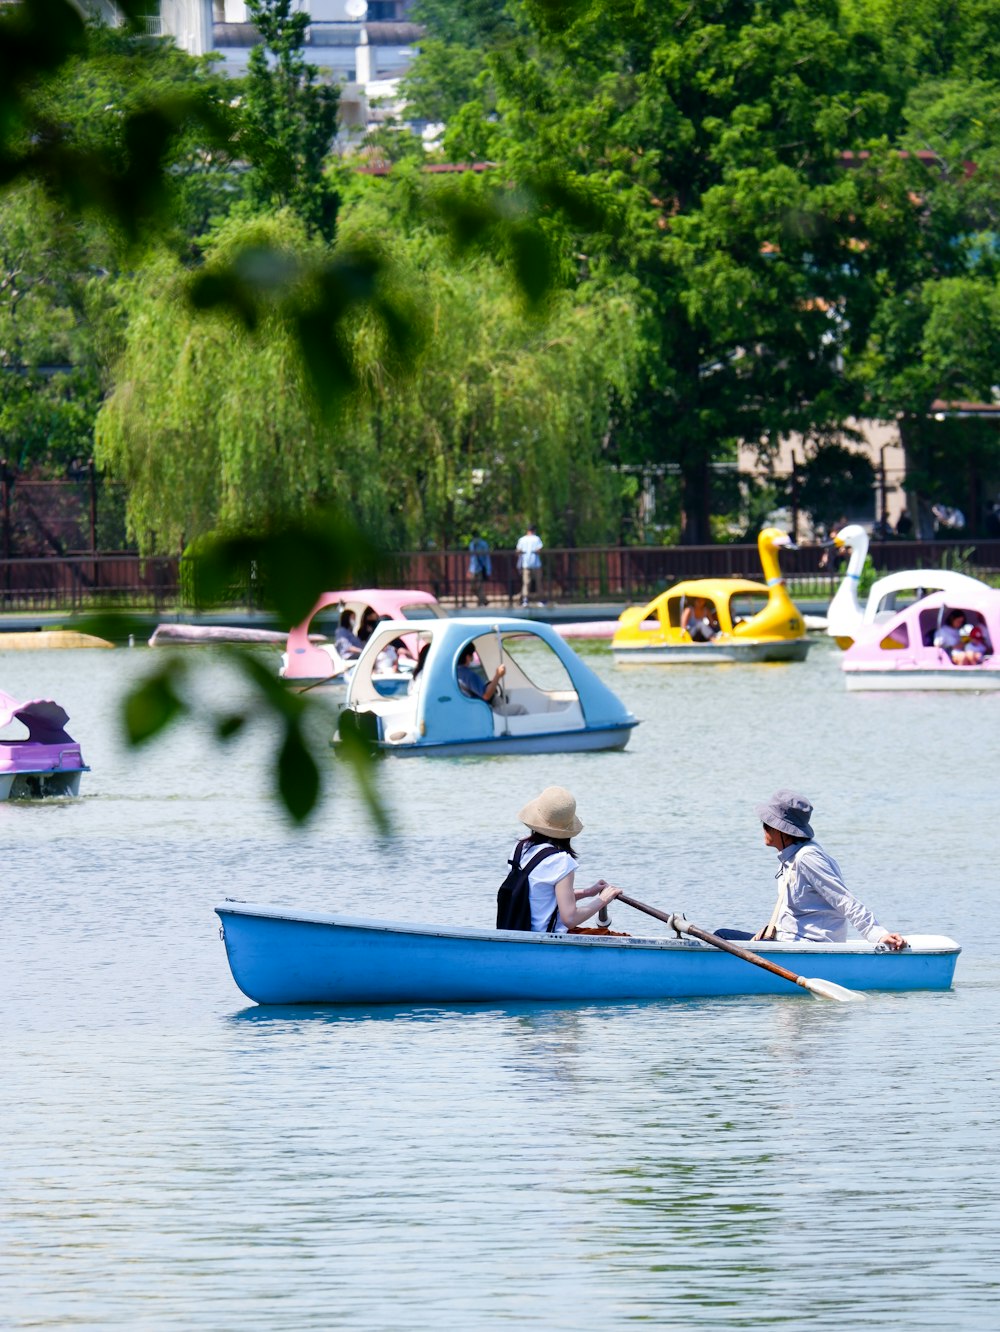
x,y
714,620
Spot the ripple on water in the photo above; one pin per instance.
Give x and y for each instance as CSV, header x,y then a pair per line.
x,y
177,1158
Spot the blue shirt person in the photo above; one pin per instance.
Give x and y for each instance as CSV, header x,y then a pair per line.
x,y
480,567
471,682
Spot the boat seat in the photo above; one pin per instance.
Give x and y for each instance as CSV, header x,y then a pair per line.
x,y
544,714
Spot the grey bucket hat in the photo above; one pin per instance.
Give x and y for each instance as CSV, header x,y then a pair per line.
x,y
788,812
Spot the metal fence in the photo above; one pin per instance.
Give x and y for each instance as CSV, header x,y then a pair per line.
x,y
632,573
612,574
83,582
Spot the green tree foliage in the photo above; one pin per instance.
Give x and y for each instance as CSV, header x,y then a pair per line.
x,y
836,482
934,333
57,325
75,144
716,134
288,119
508,412
212,423
497,411
449,72
106,120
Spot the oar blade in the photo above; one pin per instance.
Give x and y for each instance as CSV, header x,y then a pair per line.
x,y
824,989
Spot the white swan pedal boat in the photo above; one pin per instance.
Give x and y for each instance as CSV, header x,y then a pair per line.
x,y
284,956
847,619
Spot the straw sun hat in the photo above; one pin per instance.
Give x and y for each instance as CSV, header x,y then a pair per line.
x,y
553,813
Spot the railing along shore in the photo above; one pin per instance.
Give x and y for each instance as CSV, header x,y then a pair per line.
x,y
592,574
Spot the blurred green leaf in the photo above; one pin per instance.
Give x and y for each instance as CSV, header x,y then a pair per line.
x,y
292,563
125,178
229,726
298,775
154,704
352,749
321,300
287,703
116,626
506,225
35,38
533,263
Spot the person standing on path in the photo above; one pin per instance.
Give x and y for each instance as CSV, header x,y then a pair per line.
x,y
479,566
528,560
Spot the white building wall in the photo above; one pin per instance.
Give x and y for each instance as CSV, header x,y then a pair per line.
x,y
353,65
189,22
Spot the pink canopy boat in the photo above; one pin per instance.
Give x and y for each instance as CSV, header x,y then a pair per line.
x,y
46,761
899,653
306,662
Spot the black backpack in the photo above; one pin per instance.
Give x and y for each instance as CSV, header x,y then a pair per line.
x,y
513,900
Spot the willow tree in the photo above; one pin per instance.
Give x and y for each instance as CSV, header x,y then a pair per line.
x,y
506,415
211,423
496,413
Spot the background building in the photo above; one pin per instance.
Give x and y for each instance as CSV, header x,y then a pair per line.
x,y
364,46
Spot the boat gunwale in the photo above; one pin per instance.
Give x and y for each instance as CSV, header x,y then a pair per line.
x,y
491,742
944,945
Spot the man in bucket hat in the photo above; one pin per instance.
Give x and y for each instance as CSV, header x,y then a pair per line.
x,y
813,902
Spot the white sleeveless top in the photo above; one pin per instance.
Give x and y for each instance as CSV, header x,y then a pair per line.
x,y
542,886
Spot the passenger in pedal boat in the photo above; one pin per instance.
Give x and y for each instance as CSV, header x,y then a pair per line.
x,y
814,904
418,670
345,640
557,905
700,620
964,650
470,682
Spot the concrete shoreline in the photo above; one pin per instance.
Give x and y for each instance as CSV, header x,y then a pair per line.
x,y
141,623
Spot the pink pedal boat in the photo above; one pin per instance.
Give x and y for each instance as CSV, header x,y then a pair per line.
x,y
899,653
45,762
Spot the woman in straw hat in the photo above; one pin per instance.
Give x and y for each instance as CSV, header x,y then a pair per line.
x,y
553,821
813,900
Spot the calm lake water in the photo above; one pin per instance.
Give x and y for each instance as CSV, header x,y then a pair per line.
x,y
175,1157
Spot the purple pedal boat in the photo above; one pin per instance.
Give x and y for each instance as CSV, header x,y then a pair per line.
x,y
45,762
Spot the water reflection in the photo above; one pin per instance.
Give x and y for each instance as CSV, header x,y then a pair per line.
x,y
186,1160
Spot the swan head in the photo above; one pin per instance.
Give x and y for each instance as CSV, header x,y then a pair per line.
x,y
852,537
773,538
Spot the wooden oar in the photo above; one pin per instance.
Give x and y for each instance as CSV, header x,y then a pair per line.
x,y
822,989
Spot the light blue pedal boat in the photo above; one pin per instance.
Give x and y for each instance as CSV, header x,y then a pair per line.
x,y
552,702
280,956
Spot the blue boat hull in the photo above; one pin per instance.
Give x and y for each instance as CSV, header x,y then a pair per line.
x,y
278,957
593,740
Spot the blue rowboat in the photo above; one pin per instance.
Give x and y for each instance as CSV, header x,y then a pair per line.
x,y
280,956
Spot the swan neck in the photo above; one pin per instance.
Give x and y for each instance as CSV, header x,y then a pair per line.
x,y
769,563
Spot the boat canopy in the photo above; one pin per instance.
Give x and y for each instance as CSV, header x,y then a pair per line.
x,y
45,720
733,599
915,625
557,690
881,604
309,660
